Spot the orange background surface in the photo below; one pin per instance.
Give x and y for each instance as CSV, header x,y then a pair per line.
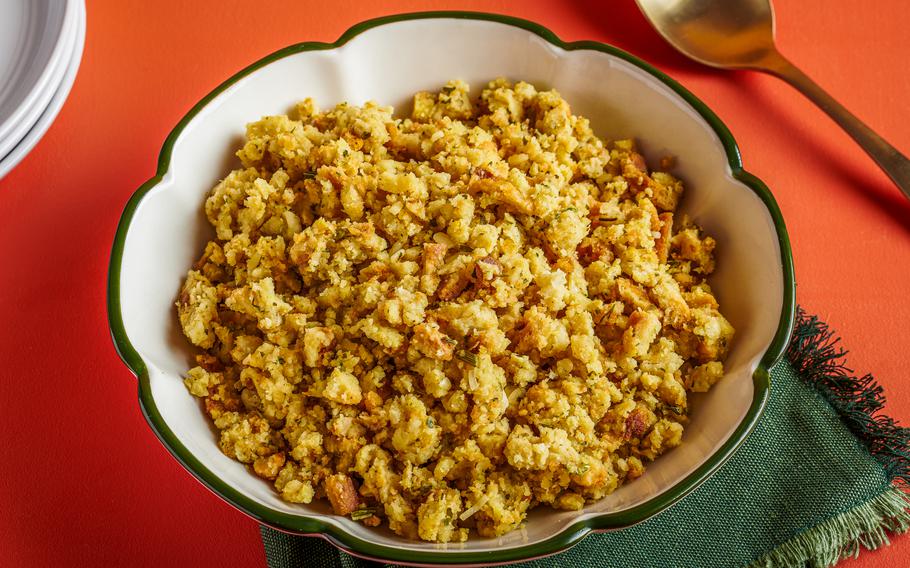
x,y
84,482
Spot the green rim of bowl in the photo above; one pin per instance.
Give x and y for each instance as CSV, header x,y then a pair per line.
x,y
573,533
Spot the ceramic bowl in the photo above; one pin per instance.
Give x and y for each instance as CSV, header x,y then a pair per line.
x,y
163,229
37,40
47,114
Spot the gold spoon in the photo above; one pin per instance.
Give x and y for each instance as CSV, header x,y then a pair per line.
x,y
739,34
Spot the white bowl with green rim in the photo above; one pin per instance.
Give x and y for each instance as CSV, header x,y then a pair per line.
x,y
163,229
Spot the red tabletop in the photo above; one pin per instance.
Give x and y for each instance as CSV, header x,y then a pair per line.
x,y
84,482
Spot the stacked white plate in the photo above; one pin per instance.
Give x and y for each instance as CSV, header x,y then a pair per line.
x,y
40,49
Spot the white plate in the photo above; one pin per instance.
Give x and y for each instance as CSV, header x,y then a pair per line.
x,y
35,106
33,45
388,60
44,120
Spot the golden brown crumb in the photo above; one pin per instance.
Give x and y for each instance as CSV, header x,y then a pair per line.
x,y
268,467
342,494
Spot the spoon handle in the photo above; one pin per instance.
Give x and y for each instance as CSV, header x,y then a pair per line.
x,y
895,164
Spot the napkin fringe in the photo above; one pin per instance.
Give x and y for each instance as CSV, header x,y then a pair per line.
x,y
816,354
819,359
841,536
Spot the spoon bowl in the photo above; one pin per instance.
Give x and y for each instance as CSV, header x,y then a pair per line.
x,y
739,34
725,34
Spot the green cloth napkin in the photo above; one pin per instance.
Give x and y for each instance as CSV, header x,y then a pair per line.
x,y
823,474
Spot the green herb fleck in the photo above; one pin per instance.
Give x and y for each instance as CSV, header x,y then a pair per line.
x,y
467,357
308,175
558,215
451,341
362,513
430,422
582,468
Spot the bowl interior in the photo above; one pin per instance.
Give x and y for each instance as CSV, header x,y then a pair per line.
x,y
388,64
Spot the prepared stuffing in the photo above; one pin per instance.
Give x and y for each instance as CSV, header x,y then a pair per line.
x,y
440,322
